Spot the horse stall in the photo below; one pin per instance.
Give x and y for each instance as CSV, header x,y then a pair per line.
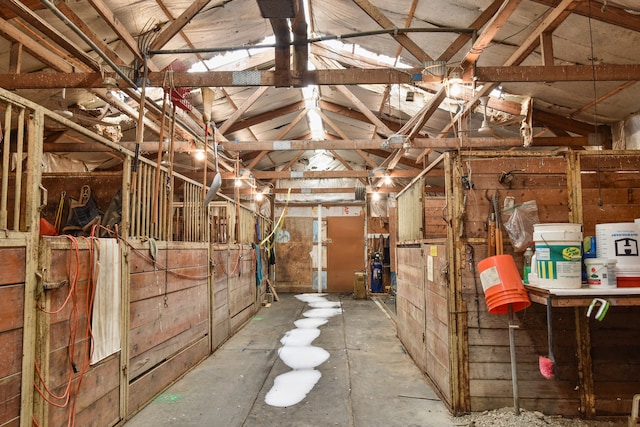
x,y
113,286
447,217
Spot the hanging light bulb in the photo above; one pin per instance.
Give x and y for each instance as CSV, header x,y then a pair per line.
x,y
387,178
375,196
454,81
238,182
199,155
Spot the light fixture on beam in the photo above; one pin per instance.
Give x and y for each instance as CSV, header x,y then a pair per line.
x,y
110,83
394,141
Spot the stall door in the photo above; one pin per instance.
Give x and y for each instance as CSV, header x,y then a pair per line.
x,y
345,251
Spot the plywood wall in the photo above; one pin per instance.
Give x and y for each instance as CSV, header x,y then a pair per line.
x,y
293,262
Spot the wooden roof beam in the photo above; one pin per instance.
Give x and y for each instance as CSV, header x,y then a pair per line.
x,y
48,30
269,115
430,143
498,74
401,38
242,109
612,15
35,49
492,28
381,127
171,30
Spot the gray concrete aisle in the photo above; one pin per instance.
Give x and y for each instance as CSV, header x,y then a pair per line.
x,y
367,381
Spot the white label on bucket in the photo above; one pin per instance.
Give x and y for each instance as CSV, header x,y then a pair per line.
x,y
489,278
543,254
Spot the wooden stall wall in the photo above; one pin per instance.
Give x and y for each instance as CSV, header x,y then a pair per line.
x,y
174,309
584,187
20,201
243,289
542,179
423,281
580,187
69,389
422,311
609,192
169,320
221,329
12,290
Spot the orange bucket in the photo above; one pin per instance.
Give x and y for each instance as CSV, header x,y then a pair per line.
x,y
502,284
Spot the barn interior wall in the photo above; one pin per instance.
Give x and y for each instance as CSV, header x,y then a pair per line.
x,y
603,190
177,317
180,299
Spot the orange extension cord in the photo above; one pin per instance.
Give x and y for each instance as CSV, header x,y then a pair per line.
x,y
68,398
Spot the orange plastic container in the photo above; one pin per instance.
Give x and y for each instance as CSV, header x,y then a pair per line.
x,y
502,284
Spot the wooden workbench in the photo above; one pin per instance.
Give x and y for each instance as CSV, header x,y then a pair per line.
x,y
581,298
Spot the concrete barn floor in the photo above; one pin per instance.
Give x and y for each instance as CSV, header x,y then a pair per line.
x,y
368,379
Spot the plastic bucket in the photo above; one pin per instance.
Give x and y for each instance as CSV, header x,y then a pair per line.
x,y
601,272
502,284
618,241
558,255
628,276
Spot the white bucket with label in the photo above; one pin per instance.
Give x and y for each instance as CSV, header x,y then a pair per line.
x,y
619,241
601,272
558,255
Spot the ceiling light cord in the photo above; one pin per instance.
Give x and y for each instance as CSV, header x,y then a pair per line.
x,y
595,108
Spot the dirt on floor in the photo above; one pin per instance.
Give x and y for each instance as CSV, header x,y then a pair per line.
x,y
506,417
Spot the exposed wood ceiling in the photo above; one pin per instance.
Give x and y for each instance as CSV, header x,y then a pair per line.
x,y
556,73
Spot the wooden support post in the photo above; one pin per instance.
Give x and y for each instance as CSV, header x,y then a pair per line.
x,y
585,364
35,135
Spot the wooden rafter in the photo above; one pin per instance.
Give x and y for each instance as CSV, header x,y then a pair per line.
x,y
48,30
171,30
381,127
384,22
34,48
242,109
486,37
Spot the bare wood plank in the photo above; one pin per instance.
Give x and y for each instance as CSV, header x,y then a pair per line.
x,y
145,388
13,271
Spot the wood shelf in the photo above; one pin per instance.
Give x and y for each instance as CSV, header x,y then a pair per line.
x,y
581,297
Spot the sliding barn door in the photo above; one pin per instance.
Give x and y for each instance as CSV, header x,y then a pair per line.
x,y
345,251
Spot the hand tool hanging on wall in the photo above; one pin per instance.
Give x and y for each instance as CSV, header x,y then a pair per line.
x,y
140,127
547,364
156,186
512,323
217,179
498,232
491,227
208,96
